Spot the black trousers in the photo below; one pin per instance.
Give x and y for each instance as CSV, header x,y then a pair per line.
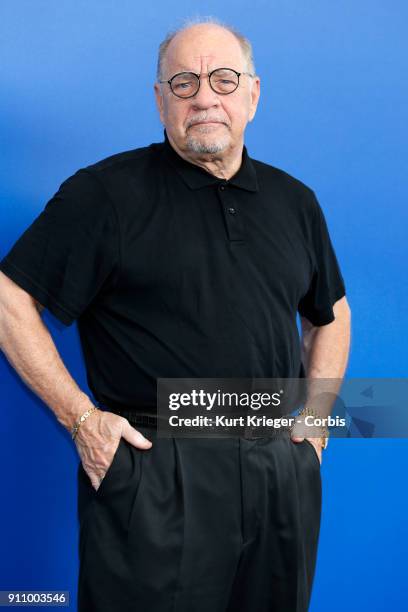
x,y
201,525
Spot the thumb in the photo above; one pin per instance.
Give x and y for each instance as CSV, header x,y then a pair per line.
x,y
135,437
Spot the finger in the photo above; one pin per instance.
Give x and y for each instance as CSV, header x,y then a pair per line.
x,y
95,481
135,437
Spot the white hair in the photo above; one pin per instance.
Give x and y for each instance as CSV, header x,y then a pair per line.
x,y
192,21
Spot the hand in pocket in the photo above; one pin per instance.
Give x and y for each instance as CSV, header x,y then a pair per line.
x,y
98,440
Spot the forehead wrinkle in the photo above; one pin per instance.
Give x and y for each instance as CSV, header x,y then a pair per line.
x,y
201,58
204,66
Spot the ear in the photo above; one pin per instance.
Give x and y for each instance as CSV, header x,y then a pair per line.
x,y
159,100
255,93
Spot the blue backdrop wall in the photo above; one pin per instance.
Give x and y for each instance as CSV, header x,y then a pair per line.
x,y
77,85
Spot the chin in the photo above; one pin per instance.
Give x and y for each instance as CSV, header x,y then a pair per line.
x,y
207,145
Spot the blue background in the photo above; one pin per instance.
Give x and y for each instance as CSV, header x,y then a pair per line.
x,y
77,86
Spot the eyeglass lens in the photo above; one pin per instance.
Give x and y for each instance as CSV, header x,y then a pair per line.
x,y
186,84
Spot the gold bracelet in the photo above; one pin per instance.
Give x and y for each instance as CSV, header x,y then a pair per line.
x,y
81,420
324,439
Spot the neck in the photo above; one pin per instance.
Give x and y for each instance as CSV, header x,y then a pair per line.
x,y
222,165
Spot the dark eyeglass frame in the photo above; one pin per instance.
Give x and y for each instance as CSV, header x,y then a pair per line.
x,y
198,76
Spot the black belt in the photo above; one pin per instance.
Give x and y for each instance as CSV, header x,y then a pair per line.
x,y
138,419
143,416
137,416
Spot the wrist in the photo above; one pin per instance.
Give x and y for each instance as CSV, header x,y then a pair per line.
x,y
81,419
69,414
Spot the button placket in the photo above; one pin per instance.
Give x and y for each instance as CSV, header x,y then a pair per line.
x,y
233,220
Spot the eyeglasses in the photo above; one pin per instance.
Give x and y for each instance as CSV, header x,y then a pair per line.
x,y
222,80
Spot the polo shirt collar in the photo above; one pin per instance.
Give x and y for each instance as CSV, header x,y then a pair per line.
x,y
196,177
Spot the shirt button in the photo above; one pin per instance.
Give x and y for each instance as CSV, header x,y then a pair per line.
x,y
222,187
231,210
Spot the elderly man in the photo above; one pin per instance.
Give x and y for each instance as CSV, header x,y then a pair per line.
x,y
181,259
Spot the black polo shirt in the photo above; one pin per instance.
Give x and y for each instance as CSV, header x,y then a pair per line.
x,y
173,272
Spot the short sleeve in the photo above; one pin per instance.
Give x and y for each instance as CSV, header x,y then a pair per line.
x,y
327,284
70,253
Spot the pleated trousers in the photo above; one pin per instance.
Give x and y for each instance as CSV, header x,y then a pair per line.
x,y
201,525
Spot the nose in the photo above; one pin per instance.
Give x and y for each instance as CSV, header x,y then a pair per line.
x,y
205,97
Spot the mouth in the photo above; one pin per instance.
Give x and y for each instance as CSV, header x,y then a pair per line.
x,y
207,123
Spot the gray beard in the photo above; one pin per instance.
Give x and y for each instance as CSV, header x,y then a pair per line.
x,y
196,145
